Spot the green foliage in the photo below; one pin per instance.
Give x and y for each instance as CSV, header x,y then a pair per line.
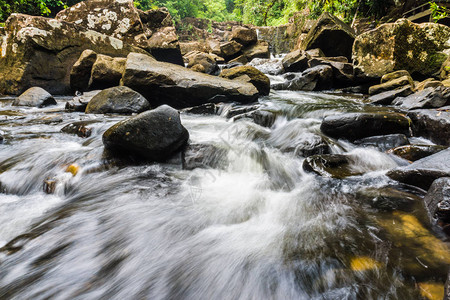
x,y
438,12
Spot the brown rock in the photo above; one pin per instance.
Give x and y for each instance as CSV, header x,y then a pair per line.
x,y
106,72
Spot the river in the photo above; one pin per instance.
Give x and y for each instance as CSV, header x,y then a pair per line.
x,y
251,225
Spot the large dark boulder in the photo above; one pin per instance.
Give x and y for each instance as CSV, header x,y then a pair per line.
x,y
164,83
36,97
427,98
81,71
331,35
330,165
403,45
120,99
255,77
151,30
40,52
153,135
423,172
353,126
431,124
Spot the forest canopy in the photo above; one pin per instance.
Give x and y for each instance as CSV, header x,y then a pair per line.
x,y
257,12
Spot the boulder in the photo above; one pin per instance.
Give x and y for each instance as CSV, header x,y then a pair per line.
x,y
81,71
120,99
384,142
427,98
258,50
268,66
243,35
256,77
429,82
106,72
154,135
151,30
444,72
331,35
391,85
423,172
36,97
394,75
163,83
342,71
264,118
79,103
431,124
437,200
416,152
207,61
40,52
354,126
386,98
403,45
186,47
230,49
313,79
296,61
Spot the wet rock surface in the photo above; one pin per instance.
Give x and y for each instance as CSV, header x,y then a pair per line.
x,y
36,97
437,200
119,99
163,83
353,126
384,142
423,172
153,135
432,124
416,152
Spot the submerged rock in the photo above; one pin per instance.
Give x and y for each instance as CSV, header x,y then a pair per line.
x,y
204,109
78,128
204,156
423,172
153,135
403,45
120,99
353,126
36,97
163,83
388,198
416,152
384,142
256,77
330,165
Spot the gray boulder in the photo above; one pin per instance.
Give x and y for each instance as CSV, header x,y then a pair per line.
x,y
353,126
386,98
120,99
153,135
36,97
427,98
423,172
431,124
313,79
164,83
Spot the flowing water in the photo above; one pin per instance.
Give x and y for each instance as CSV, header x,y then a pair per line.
x,y
254,226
